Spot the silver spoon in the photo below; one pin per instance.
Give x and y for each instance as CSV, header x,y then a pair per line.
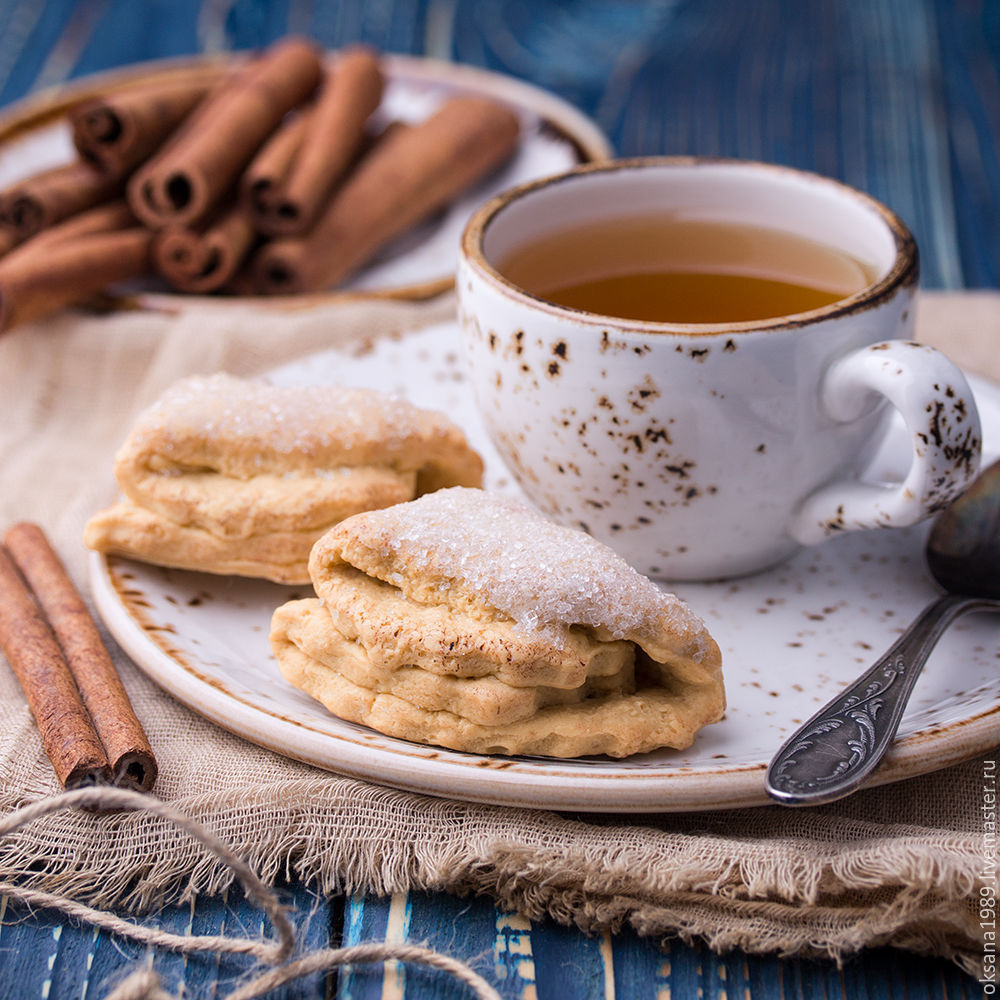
x,y
829,756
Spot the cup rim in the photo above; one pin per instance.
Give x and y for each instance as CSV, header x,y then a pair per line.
x,y
904,270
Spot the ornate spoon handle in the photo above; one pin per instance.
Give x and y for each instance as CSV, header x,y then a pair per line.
x,y
843,743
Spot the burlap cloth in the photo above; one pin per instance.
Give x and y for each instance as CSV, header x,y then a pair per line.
x,y
900,865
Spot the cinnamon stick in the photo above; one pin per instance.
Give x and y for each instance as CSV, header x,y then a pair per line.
x,y
351,91
119,130
35,282
272,163
262,180
8,239
67,732
104,218
404,179
46,198
120,732
203,158
204,261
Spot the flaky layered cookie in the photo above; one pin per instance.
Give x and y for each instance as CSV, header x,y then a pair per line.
x,y
467,620
234,476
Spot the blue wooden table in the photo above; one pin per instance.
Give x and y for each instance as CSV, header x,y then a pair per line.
x,y
898,97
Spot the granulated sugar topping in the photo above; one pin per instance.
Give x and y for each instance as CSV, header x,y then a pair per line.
x,y
285,419
538,573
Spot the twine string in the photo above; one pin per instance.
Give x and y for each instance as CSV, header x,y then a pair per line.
x,y
375,951
154,936
144,984
99,798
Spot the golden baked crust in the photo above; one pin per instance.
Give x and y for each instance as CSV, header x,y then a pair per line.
x,y
424,601
132,531
228,475
398,631
483,700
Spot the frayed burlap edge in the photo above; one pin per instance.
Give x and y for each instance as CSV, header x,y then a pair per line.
x,y
822,897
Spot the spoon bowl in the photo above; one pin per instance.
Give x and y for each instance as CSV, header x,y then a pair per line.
x,y
842,744
963,548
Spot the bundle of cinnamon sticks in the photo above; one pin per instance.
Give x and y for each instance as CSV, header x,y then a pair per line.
x,y
89,730
267,180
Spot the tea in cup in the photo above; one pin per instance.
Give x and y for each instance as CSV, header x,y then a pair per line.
x,y
696,360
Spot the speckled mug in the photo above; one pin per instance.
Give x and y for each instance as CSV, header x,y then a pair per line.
x,y
712,450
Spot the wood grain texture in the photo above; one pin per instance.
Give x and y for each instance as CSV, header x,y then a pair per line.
x,y
43,956
547,960
899,97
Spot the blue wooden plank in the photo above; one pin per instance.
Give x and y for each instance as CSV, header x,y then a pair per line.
x,y
886,972
90,962
564,956
499,946
544,959
691,970
511,949
251,24
876,974
391,25
127,32
29,945
338,23
405,25
44,956
968,36
640,965
318,920
28,30
194,973
365,919
205,975
766,976
571,49
41,956
495,945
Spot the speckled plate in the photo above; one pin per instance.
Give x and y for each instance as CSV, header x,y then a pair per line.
x,y
790,637
555,136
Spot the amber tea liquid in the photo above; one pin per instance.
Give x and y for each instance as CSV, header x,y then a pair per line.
x,y
661,268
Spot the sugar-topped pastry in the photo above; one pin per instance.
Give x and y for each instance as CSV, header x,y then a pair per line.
x,y
236,476
467,620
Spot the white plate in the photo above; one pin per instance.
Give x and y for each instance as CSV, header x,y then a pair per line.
x,y
34,135
790,637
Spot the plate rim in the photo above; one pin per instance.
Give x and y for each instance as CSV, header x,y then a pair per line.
x,y
527,783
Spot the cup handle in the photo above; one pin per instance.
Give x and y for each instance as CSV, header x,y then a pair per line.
x,y
940,414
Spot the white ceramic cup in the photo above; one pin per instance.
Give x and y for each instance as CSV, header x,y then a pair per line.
x,y
708,451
